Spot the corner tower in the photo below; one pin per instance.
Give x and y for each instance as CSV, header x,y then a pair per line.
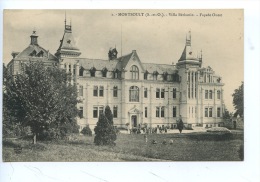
x,y
67,46
188,66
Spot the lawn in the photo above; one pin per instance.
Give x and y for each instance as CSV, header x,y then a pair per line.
x,y
185,147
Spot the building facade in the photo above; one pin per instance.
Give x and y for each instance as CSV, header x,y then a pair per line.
x,y
138,93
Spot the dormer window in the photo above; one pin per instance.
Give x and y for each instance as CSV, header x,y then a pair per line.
x,y
104,72
155,74
145,75
176,77
40,54
81,71
92,72
33,53
117,73
165,75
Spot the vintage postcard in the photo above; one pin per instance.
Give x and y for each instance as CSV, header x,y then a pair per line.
x,y
123,85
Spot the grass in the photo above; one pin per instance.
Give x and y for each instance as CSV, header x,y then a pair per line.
x,y
185,147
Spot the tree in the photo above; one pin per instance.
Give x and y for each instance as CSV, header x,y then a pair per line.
x,y
42,97
227,114
105,132
238,100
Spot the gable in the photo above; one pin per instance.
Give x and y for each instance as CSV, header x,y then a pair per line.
x,y
134,60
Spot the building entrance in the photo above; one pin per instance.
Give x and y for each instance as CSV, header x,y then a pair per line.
x,y
134,121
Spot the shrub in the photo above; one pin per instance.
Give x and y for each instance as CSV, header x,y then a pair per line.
x,y
86,131
105,131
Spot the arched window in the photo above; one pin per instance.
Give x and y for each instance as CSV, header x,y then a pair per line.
x,y
134,94
135,72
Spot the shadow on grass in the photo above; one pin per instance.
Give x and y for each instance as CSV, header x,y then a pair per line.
x,y
215,136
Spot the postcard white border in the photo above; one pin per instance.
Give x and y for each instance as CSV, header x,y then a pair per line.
x,y
169,171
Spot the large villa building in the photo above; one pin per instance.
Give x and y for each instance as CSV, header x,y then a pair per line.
x,y
137,92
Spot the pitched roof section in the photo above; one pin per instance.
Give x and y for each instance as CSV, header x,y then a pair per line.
x,y
100,64
121,62
34,51
160,68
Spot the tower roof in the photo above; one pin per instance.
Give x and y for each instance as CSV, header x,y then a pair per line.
x,y
188,56
68,46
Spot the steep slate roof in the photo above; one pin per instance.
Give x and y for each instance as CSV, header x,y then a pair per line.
x,y
27,52
160,68
121,62
68,42
100,64
124,60
187,54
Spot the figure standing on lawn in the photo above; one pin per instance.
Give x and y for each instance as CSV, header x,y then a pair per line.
x,y
180,125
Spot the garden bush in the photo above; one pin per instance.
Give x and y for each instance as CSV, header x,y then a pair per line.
x,y
86,131
105,131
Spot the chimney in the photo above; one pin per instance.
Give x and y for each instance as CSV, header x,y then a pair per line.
x,y
14,54
34,37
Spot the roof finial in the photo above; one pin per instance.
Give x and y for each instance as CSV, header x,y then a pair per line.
x,y
65,18
188,38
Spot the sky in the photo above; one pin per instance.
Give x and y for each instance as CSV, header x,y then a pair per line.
x,y
157,39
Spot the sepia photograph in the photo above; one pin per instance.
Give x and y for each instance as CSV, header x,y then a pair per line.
x,y
113,85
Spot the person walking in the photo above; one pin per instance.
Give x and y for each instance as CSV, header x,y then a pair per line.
x,y
180,125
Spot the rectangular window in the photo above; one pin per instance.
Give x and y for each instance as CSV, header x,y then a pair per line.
x,y
74,69
115,112
174,111
157,112
69,68
162,112
206,112
206,94
218,112
100,109
101,91
145,112
95,112
210,94
80,112
145,93
174,93
218,94
162,93
157,93
95,91
210,112
81,90
115,91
